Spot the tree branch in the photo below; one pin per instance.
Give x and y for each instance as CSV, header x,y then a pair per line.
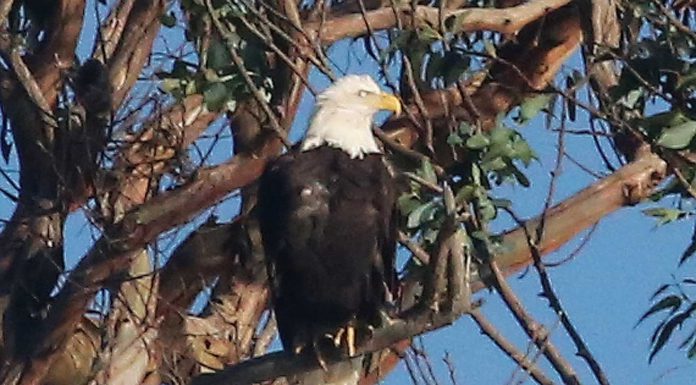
x,y
508,348
133,50
505,20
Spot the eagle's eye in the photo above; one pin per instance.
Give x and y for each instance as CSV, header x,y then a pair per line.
x,y
363,93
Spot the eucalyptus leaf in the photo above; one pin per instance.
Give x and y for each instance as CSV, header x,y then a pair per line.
x,y
218,56
678,137
421,214
664,215
427,172
168,20
478,142
532,106
215,96
407,203
454,139
671,302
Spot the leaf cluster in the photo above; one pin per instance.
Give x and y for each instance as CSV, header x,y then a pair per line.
x,y
680,309
213,73
492,158
656,97
658,74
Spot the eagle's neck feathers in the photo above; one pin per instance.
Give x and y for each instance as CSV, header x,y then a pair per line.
x,y
347,129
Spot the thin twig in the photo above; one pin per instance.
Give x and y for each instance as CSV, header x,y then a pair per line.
x,y
418,252
585,240
508,348
27,80
430,185
532,328
547,287
239,63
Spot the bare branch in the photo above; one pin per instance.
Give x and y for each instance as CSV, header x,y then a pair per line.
x,y
508,348
133,50
505,20
536,332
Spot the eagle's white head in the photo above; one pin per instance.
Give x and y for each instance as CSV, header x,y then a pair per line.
x,y
343,116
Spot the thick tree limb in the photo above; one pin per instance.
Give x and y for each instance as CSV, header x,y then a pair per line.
x,y
133,50
112,252
112,30
57,49
505,20
151,151
627,186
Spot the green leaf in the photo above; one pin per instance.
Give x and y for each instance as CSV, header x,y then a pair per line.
x,y
465,128
170,84
521,178
218,56
523,151
629,100
430,235
427,172
168,20
690,250
670,302
494,164
420,214
215,96
454,139
407,203
465,194
659,291
664,215
678,137
478,142
665,119
428,34
502,203
666,329
531,107
487,210
180,70
691,354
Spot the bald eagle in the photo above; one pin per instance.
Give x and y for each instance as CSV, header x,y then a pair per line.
x,y
326,214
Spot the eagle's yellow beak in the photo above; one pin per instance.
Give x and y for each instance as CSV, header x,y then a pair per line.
x,y
388,102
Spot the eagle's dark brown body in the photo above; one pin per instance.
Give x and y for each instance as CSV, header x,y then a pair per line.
x,y
329,234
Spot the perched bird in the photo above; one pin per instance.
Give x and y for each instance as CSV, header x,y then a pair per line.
x,y
326,213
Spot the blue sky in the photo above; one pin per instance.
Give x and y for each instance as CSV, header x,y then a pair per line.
x,y
604,289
